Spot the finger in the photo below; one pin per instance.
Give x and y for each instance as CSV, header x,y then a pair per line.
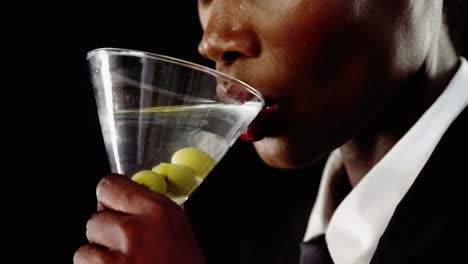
x,y
121,194
105,228
92,253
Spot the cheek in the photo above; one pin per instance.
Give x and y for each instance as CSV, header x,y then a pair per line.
x,y
335,68
306,37
324,114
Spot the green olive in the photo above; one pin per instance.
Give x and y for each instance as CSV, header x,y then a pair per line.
x,y
162,168
194,158
181,178
151,180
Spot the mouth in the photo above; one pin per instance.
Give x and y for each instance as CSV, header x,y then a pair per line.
x,y
234,94
263,125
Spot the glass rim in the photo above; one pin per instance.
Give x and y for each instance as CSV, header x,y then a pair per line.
x,y
185,63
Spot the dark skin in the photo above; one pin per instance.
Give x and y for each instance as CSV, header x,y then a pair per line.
x,y
353,75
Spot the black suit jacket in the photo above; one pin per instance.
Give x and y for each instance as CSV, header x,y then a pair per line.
x,y
430,223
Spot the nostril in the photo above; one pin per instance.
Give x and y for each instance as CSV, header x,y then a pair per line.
x,y
230,56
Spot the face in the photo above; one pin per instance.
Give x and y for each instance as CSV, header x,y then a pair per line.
x,y
325,67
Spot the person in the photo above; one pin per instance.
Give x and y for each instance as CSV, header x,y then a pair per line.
x,y
378,86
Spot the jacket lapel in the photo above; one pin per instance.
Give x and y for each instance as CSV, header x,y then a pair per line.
x,y
429,225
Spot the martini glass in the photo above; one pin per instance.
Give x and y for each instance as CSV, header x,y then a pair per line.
x,y
167,122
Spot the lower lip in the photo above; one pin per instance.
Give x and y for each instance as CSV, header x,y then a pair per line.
x,y
261,125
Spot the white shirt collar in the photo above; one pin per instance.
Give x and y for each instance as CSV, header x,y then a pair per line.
x,y
354,229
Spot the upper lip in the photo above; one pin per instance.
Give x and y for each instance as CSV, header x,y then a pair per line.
x,y
269,100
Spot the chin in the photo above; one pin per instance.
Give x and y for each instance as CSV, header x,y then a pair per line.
x,y
284,153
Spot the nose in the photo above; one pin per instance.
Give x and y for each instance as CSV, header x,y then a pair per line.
x,y
228,35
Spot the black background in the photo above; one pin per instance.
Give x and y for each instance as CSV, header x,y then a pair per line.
x,y
54,150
